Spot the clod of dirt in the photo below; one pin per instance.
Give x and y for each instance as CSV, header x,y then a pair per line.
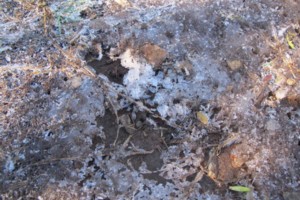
x,y
226,165
154,54
239,155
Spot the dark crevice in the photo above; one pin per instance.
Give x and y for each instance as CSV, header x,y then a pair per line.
x,y
112,69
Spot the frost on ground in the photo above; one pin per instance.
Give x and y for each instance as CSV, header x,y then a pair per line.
x,y
197,96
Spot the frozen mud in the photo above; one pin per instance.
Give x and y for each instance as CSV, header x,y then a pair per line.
x,y
149,99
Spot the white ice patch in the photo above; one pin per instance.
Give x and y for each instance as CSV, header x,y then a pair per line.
x,y
163,110
140,75
168,86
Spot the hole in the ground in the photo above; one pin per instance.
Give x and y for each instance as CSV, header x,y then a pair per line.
x,y
83,14
96,168
169,34
271,95
91,162
50,133
215,111
176,101
289,115
157,72
112,69
95,141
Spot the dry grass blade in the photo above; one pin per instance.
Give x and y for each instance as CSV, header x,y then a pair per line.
x,y
45,162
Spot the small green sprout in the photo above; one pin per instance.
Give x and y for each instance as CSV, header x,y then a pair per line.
x,y
239,188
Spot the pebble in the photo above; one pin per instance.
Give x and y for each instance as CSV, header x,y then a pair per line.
x,y
7,58
234,64
291,81
76,82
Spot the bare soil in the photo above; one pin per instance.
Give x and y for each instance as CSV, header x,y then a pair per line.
x,y
149,99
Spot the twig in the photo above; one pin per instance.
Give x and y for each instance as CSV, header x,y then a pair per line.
x,y
45,162
117,118
140,151
163,139
125,144
261,95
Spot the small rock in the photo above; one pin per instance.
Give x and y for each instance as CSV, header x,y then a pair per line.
x,y
154,54
234,64
76,82
7,58
291,81
281,93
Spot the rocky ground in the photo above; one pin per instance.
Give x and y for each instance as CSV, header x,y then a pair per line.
x,y
149,99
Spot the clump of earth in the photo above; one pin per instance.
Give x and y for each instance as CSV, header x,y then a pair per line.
x,y
149,99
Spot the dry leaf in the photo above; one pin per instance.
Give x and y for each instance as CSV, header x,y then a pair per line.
x,y
202,117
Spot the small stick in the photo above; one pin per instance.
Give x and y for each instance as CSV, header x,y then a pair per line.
x,y
261,95
117,118
140,151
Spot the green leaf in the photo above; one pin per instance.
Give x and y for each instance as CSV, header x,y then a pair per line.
x,y
239,188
